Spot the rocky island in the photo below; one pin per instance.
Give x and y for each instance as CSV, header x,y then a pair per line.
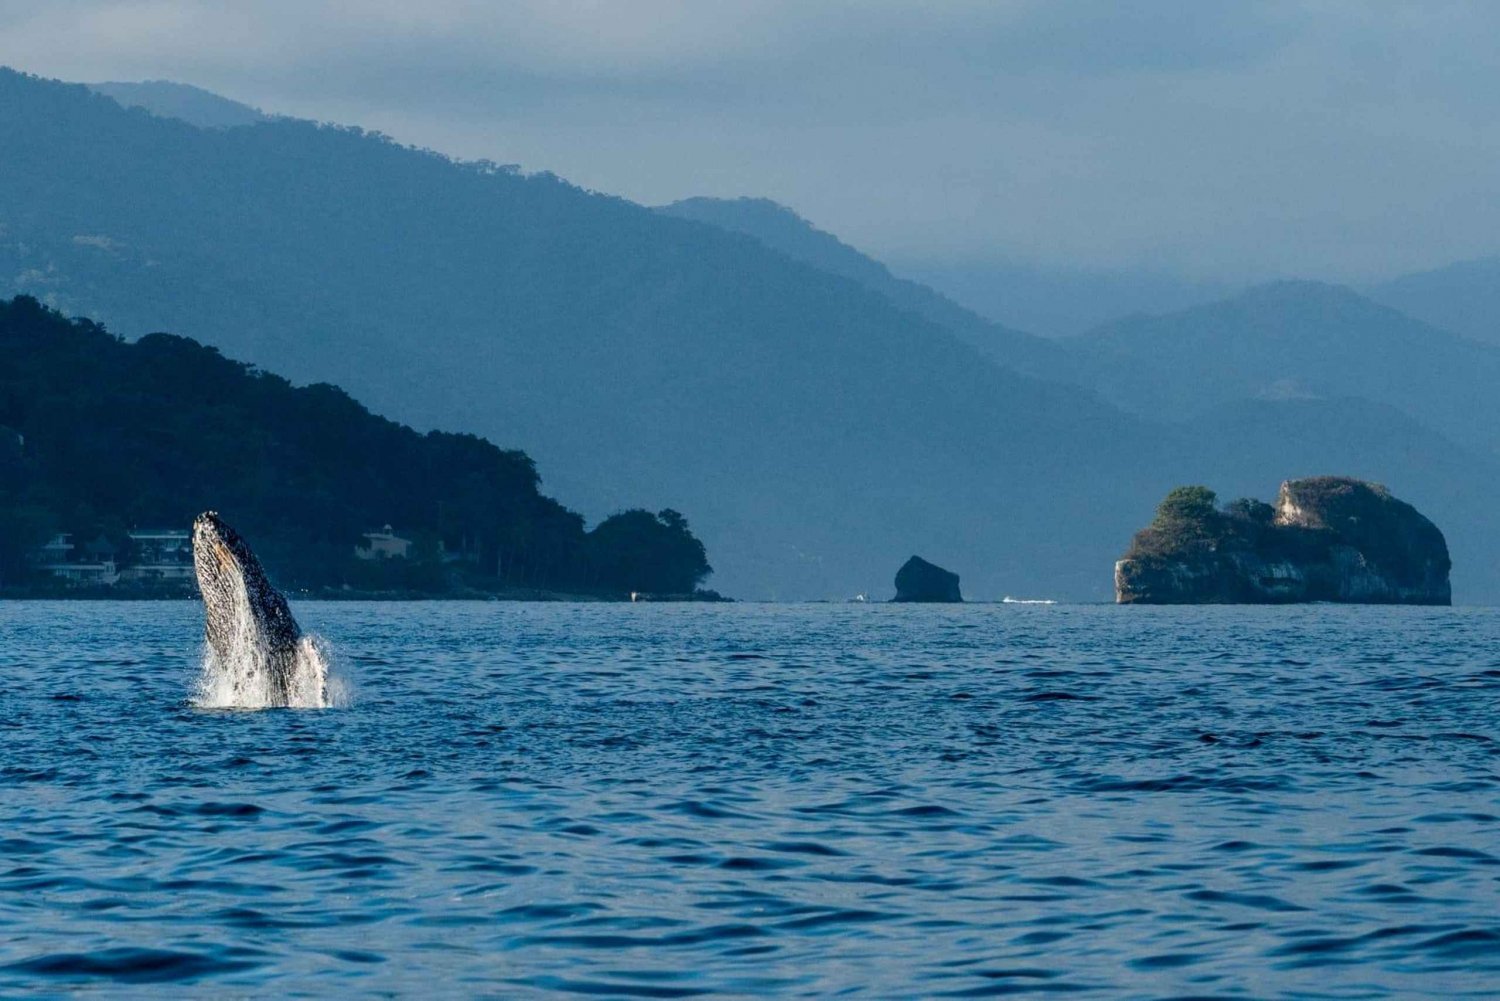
x,y
1328,538
920,581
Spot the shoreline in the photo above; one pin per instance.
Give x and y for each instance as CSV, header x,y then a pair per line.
x,y
332,595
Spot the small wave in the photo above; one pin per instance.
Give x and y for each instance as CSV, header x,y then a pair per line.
x,y
610,988
131,965
1259,901
1468,945
1185,783
228,810
1008,600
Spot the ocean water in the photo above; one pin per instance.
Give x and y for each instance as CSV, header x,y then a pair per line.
x,y
759,801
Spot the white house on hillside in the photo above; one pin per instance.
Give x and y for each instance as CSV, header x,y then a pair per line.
x,y
383,544
161,554
56,558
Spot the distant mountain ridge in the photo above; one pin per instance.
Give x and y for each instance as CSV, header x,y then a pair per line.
x,y
1293,340
182,101
1462,297
1287,340
999,307
1056,301
782,229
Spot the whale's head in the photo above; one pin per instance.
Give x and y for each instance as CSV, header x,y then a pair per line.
x,y
221,558
233,585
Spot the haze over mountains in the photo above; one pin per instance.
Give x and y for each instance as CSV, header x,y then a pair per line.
x,y
1463,297
1019,299
1291,340
779,228
816,418
1059,302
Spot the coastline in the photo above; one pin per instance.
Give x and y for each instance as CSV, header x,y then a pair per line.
x,y
343,594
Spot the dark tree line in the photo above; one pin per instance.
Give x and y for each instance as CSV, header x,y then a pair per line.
x,y
98,435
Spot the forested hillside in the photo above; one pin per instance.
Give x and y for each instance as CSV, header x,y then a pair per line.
x,y
98,436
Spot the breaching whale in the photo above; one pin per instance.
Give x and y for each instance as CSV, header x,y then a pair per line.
x,y
257,655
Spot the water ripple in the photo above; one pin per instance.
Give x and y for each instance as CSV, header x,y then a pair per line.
x,y
665,801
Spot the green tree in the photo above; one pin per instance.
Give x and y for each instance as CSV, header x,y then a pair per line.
x,y
1187,518
1184,506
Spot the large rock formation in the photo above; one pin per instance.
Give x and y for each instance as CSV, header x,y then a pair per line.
x,y
1328,538
918,580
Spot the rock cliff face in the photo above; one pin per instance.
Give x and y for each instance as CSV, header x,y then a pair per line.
x,y
1327,539
918,580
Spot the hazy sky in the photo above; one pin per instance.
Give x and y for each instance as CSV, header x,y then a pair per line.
x,y
1344,139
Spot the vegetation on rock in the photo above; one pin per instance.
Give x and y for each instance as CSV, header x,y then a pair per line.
x,y
1328,538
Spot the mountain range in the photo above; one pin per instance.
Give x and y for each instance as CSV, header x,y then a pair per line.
x,y
1295,340
1056,301
819,418
1463,297
1284,340
783,230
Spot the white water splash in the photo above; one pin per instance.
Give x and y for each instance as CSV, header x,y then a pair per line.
x,y
243,679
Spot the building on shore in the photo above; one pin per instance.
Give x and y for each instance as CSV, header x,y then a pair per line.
x,y
383,544
158,556
94,564
163,555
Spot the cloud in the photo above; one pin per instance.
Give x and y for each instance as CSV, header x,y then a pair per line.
x,y
683,52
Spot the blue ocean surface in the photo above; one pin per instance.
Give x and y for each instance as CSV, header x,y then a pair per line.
x,y
670,801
